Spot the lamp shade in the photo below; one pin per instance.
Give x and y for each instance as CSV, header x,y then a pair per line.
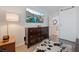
x,y
12,17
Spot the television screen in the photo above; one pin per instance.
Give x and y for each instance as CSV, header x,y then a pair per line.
x,y
33,18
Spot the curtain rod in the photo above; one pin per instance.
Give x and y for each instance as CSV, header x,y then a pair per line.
x,y
67,8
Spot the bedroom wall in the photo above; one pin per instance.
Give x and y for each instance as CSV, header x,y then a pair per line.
x,y
77,22
51,23
14,29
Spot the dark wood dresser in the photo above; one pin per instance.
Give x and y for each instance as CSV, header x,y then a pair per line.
x,y
35,35
7,46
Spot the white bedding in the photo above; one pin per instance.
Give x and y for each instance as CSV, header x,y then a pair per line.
x,y
48,46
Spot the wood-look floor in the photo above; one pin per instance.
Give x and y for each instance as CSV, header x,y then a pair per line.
x,y
23,48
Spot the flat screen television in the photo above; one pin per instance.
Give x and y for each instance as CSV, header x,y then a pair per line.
x,y
33,18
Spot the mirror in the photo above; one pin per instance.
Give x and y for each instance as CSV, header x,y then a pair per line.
x,y
54,22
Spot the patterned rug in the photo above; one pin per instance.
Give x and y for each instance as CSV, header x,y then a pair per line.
x,y
50,46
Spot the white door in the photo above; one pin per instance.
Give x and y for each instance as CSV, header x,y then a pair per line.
x,y
68,24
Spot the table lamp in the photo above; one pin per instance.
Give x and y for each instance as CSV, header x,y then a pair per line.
x,y
10,17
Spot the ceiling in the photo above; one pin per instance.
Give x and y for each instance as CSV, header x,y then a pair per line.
x,y
49,10
21,10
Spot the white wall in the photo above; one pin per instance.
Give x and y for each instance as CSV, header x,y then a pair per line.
x,y
77,22
51,23
14,29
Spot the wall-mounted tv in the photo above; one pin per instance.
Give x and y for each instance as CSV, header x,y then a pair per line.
x,y
34,16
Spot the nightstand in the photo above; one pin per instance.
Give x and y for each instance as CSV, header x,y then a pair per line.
x,y
7,46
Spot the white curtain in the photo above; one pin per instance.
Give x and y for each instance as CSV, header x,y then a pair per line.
x,y
68,24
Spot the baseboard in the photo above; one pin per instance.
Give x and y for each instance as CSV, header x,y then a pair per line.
x,y
66,40
20,44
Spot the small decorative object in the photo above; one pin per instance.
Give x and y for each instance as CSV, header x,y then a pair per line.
x,y
6,38
54,22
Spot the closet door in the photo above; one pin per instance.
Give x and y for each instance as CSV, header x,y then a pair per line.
x,y
68,24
